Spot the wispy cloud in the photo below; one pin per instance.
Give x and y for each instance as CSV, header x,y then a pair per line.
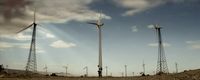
x,y
22,36
26,35
62,44
193,44
151,26
42,33
27,46
48,35
67,10
137,6
134,29
156,44
47,11
179,1
4,45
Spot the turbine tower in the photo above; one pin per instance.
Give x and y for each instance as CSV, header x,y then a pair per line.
x,y
162,63
143,65
176,66
125,70
98,24
31,65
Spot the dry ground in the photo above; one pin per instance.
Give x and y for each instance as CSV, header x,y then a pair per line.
x,y
187,75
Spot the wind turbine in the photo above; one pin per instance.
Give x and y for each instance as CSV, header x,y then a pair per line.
x,y
176,66
143,65
46,68
31,63
86,71
122,74
106,71
162,62
98,24
125,70
66,69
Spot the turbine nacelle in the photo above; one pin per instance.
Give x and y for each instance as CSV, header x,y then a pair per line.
x,y
98,22
156,26
97,25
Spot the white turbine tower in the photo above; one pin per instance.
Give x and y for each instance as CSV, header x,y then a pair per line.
x,y
98,24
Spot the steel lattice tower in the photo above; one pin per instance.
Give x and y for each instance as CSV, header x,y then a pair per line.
x,y
162,63
32,64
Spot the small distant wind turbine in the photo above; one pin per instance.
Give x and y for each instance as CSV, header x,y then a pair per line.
x,y
66,69
176,66
143,65
106,71
125,70
98,24
46,68
86,70
122,74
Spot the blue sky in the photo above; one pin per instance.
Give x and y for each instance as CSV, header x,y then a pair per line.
x,y
64,39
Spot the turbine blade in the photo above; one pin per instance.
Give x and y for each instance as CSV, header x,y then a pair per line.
x,y
25,28
40,25
92,23
34,15
101,24
100,18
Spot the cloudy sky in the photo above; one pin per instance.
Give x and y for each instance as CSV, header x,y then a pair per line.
x,y
65,39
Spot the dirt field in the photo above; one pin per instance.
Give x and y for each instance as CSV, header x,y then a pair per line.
x,y
186,75
113,78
